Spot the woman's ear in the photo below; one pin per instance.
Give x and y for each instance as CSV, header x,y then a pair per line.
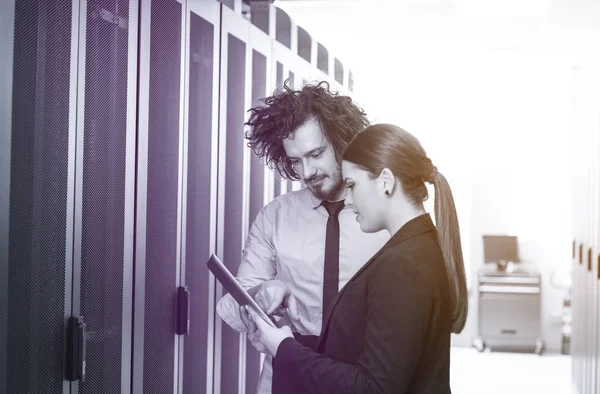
x,y
387,181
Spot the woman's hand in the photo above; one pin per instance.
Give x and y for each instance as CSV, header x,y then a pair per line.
x,y
259,330
275,298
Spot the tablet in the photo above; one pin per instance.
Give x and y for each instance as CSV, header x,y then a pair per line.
x,y
229,282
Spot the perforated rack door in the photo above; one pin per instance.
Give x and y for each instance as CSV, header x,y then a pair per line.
x,y
35,296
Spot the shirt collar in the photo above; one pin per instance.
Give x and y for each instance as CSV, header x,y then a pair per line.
x,y
317,202
314,201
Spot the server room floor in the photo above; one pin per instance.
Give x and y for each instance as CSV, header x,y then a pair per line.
x,y
472,372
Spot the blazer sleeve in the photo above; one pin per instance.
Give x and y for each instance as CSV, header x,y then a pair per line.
x,y
400,301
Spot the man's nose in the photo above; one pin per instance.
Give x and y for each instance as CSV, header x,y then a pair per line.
x,y
308,170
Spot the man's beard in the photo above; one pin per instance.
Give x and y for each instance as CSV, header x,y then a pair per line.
x,y
328,194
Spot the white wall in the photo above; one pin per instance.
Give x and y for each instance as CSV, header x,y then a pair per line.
x,y
489,92
501,136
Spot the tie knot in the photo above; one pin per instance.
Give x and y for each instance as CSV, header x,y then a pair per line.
x,y
333,208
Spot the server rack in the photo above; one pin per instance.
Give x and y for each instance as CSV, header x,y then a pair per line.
x,y
121,141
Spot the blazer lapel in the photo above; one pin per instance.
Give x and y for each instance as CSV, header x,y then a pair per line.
x,y
327,318
413,228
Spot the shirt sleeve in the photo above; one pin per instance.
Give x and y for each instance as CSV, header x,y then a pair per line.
x,y
257,266
399,309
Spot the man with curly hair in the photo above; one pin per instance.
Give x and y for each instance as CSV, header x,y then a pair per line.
x,y
304,245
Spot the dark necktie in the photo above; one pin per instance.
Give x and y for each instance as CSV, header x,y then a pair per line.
x,y
332,256
282,379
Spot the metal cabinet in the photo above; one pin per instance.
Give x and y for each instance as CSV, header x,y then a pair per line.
x,y
509,310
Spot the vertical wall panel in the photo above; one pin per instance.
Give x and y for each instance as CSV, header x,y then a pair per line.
x,y
577,217
591,157
586,264
596,261
595,147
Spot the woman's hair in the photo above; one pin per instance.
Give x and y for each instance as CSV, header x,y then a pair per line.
x,y
387,146
286,110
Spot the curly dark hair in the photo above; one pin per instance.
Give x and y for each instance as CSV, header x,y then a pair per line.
x,y
286,110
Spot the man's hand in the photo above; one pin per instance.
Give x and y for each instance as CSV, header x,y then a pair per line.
x,y
267,337
274,297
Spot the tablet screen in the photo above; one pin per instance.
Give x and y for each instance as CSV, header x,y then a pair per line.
x,y
241,296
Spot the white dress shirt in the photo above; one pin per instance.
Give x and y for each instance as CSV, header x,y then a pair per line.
x,y
287,242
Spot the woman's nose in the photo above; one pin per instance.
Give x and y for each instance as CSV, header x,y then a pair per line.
x,y
349,199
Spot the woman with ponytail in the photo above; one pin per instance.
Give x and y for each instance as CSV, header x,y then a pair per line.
x,y
389,329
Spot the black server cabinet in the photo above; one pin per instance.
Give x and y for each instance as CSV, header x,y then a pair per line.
x,y
245,55
122,170
71,189
200,190
104,191
277,178
158,213
37,177
294,84
233,176
233,198
260,46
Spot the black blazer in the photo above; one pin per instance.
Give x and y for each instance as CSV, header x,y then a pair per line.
x,y
389,328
